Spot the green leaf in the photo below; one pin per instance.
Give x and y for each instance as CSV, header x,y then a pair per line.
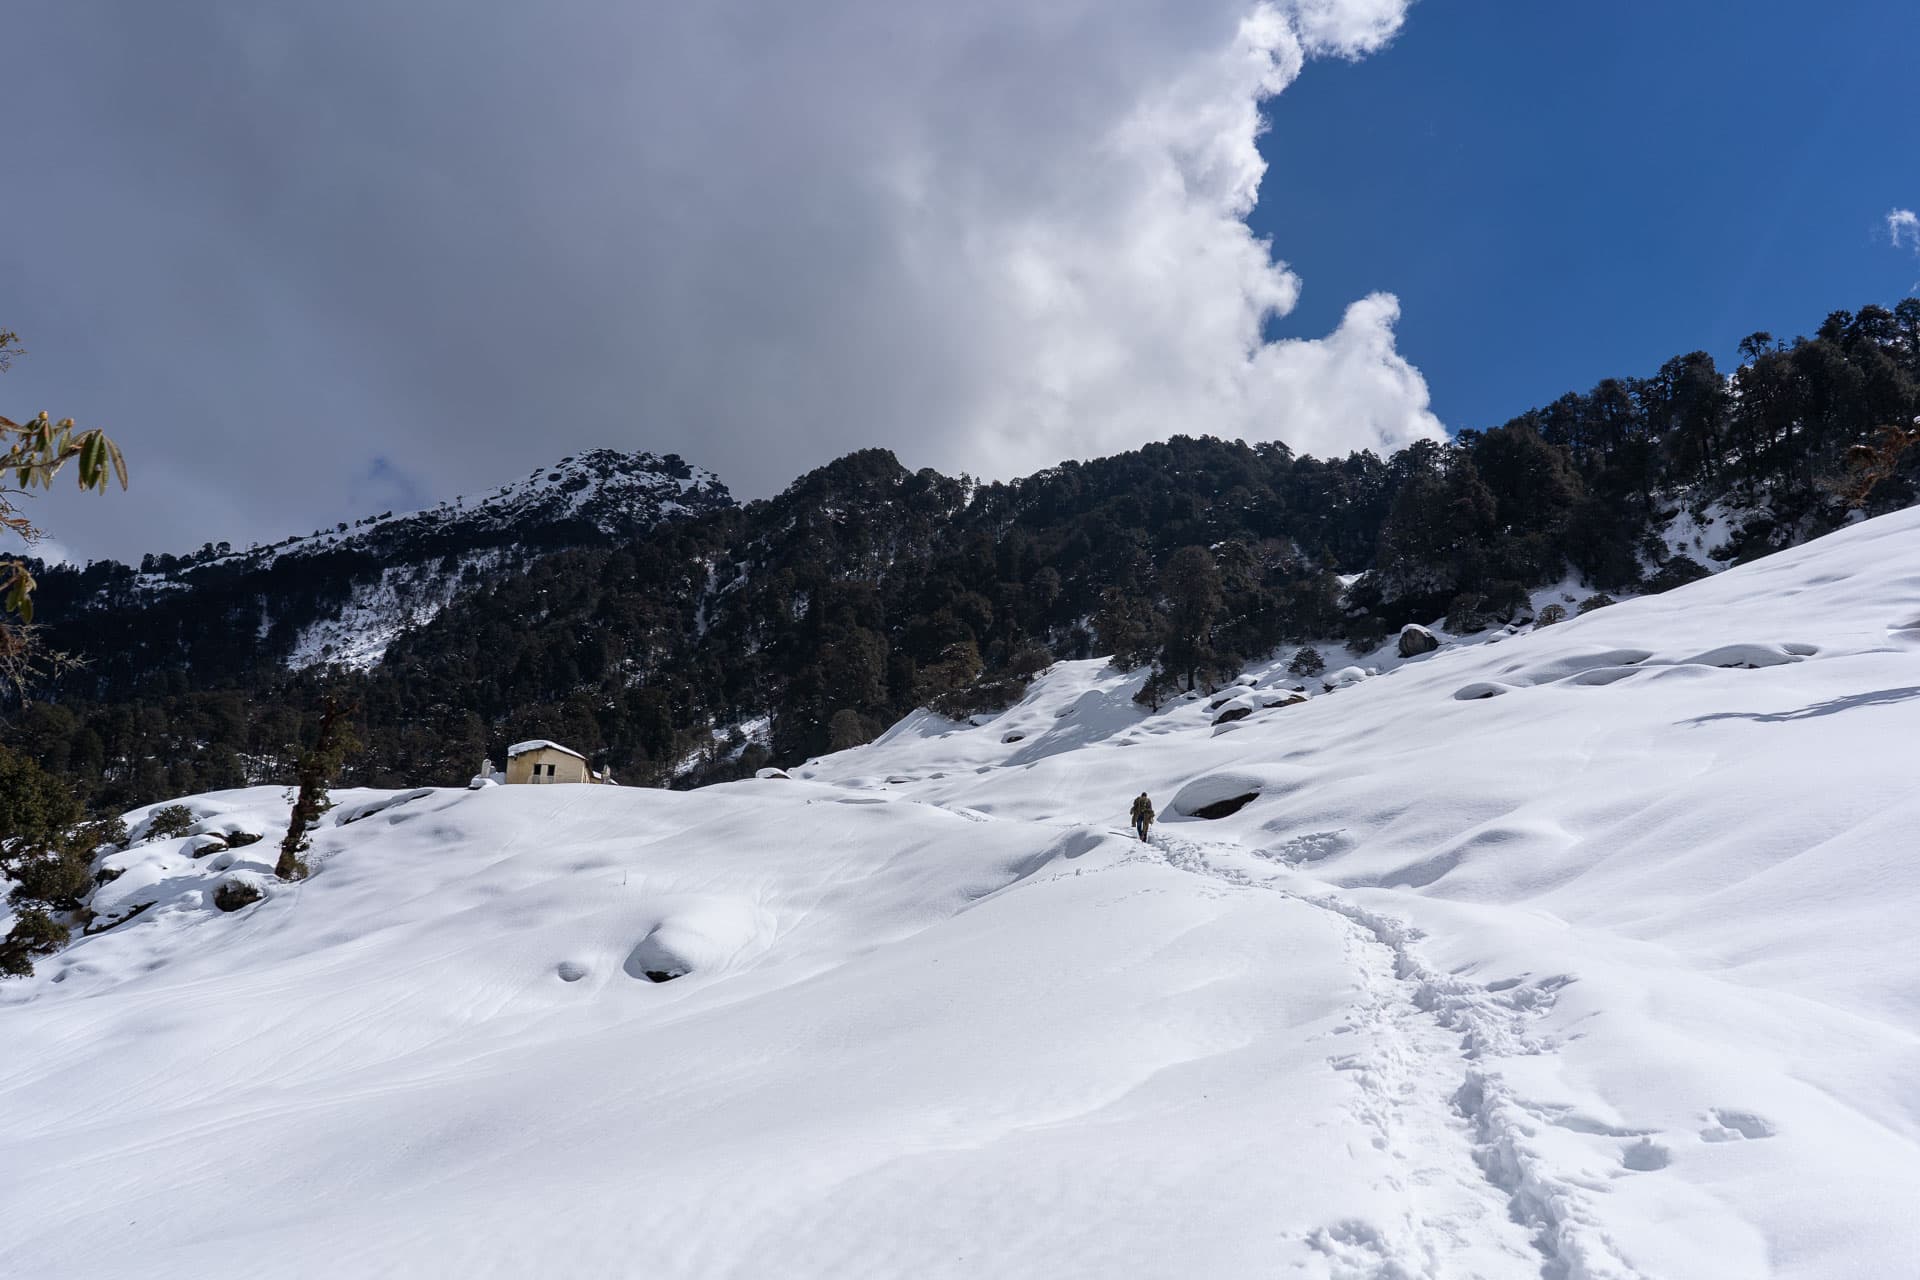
x,y
20,593
93,461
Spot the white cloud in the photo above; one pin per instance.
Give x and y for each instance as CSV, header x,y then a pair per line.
x,y
1903,227
49,551
988,235
1052,257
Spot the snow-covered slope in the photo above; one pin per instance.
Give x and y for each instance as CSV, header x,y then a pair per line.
x,y
426,558
338,597
603,489
1583,954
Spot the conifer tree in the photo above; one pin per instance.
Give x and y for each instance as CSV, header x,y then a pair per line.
x,y
1191,585
318,766
34,933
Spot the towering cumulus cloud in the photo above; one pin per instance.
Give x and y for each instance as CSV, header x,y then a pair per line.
x,y
989,235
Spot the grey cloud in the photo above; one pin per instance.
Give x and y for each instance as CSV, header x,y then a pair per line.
x,y
270,242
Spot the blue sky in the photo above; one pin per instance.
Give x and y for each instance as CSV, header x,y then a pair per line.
x,y
1562,192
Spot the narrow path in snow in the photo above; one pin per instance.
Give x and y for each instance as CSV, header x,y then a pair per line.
x,y
1432,1096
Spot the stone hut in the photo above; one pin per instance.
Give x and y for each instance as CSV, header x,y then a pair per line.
x,y
542,761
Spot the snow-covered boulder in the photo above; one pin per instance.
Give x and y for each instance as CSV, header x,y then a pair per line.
x,y
239,889
1480,690
1235,709
1753,656
1344,678
1416,640
1226,791
379,802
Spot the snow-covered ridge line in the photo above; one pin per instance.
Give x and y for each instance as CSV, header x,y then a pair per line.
x,y
387,573
602,486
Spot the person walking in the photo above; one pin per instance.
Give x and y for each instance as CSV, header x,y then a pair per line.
x,y
1142,814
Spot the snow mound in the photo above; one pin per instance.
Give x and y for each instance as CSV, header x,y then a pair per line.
x,y
701,935
1481,689
1235,787
1753,656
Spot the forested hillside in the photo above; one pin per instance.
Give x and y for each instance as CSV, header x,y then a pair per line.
x,y
729,637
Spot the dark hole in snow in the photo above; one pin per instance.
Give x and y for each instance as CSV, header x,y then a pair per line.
x,y
1225,808
1013,737
656,961
1479,690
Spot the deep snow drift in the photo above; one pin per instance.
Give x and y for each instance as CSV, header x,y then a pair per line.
x,y
1581,954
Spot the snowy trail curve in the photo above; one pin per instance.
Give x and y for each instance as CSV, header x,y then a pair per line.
x,y
1431,1094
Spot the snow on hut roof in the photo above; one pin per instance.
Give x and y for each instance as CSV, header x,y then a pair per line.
x,y
540,744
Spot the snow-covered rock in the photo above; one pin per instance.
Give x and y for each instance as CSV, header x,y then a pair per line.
x,y
1416,640
1236,708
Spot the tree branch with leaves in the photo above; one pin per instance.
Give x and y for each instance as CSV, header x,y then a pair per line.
x,y
34,456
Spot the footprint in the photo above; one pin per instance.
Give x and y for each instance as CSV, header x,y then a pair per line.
x,y
1576,1121
1311,846
1539,994
1358,1248
1733,1126
1645,1156
570,972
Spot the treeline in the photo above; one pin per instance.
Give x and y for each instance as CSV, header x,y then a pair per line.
x,y
867,589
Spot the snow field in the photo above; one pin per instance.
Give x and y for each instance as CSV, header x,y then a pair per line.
x,y
1605,977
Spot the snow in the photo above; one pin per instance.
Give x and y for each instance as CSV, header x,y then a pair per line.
x,y
409,573
540,744
376,611
1609,976
1702,535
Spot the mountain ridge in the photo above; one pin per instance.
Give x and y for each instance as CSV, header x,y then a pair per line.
x,y
383,573
740,635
